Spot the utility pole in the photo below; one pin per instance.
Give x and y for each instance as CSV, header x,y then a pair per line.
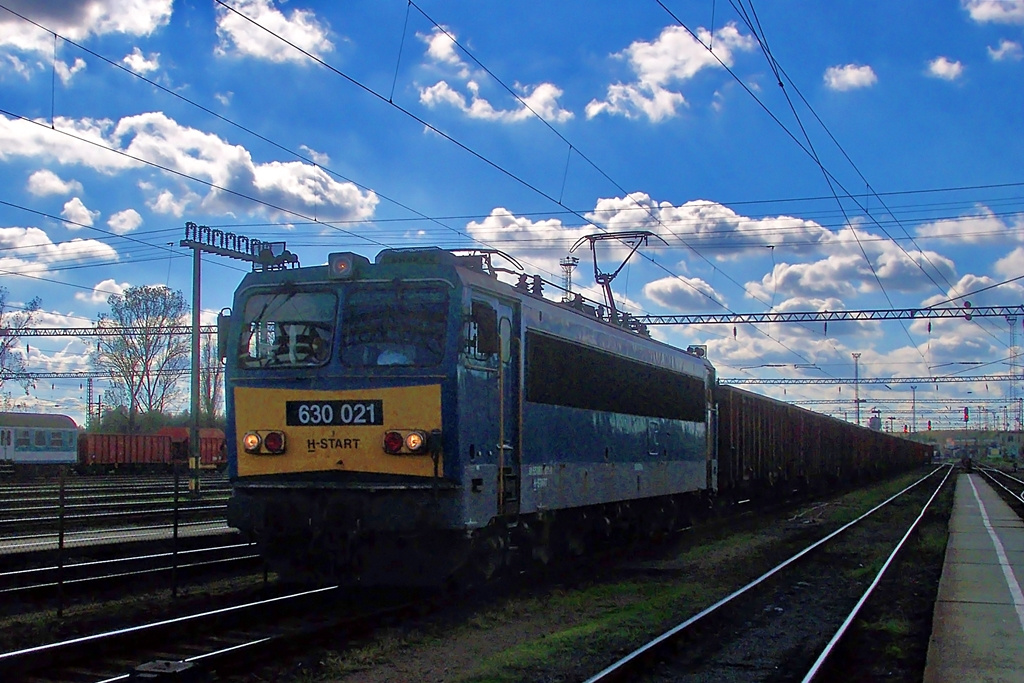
x,y
856,385
913,409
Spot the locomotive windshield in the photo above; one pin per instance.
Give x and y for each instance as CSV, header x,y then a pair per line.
x,y
287,329
394,323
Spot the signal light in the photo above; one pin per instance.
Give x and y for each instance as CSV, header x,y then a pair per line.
x,y
967,415
339,265
393,442
929,425
274,442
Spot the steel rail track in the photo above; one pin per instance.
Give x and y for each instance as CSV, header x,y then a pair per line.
x,y
94,571
291,621
49,660
830,648
628,667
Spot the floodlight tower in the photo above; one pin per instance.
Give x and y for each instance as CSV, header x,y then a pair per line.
x,y
568,265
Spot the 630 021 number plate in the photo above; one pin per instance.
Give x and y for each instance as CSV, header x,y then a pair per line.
x,y
347,413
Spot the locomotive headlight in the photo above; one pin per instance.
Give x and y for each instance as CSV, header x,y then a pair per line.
x,y
251,442
415,441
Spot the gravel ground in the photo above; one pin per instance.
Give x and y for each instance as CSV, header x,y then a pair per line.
x,y
567,630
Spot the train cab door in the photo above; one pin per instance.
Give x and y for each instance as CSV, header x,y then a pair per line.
x,y
509,463
6,443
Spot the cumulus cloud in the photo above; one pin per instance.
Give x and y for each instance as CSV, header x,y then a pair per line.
x,y
239,36
442,50
849,77
1007,50
30,250
76,212
102,291
142,64
943,68
683,294
540,100
996,11
981,227
65,72
705,224
673,58
79,20
46,182
125,221
1011,265
293,186
846,274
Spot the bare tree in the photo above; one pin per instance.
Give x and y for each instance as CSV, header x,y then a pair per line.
x,y
147,361
211,382
12,362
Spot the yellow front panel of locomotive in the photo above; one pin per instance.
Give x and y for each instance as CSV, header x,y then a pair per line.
x,y
339,447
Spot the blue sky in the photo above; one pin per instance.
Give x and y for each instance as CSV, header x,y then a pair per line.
x,y
885,173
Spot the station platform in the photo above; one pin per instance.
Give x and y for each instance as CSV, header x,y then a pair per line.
x,y
978,623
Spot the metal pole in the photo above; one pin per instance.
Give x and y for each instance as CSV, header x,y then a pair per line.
x,y
193,439
174,542
913,409
856,385
60,547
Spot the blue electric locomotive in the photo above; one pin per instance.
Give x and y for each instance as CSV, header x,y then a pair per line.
x,y
415,418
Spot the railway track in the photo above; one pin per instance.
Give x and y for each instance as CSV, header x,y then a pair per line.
x,y
762,631
224,639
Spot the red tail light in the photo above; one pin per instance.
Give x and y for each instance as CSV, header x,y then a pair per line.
x,y
393,442
274,442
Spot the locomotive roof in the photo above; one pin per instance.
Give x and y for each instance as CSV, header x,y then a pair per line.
x,y
37,420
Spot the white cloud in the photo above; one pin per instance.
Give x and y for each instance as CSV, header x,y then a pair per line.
x,y
224,98
849,77
160,140
683,294
317,157
140,63
19,67
441,49
540,100
239,36
982,227
166,202
846,274
700,222
30,250
996,11
943,68
79,20
102,291
1007,50
125,221
46,182
1011,265
75,211
65,72
674,57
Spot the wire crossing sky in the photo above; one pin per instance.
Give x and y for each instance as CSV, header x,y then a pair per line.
x,y
793,156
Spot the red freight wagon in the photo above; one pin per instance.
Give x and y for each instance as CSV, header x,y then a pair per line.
x,y
212,453
128,452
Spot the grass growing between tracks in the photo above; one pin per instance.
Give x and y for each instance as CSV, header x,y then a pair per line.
x,y
572,631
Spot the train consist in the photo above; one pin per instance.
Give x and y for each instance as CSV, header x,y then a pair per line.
x,y
418,418
35,443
